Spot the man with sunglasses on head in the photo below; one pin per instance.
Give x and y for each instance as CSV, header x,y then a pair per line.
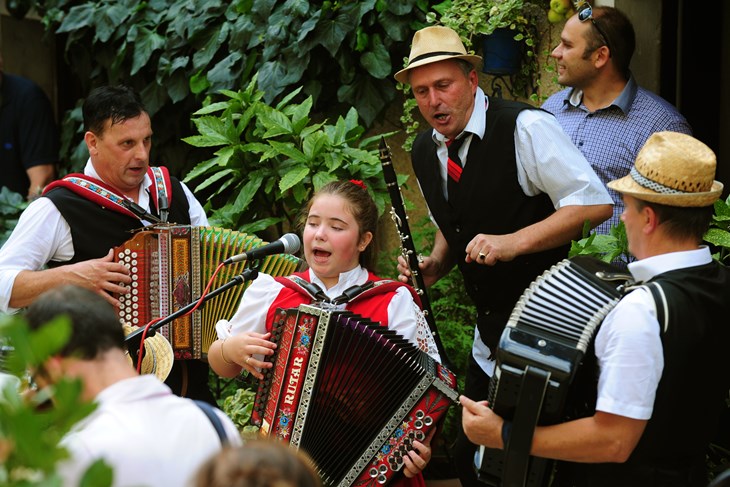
x,y
606,114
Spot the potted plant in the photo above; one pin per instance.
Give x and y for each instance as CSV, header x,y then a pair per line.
x,y
516,25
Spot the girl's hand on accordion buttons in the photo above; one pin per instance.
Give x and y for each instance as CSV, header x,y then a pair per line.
x,y
418,457
248,349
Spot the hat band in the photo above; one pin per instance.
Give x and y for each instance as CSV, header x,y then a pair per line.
x,y
653,185
434,54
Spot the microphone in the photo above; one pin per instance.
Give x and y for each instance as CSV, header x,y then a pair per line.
x,y
288,244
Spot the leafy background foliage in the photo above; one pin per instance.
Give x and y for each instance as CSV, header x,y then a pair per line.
x,y
29,431
269,160
342,54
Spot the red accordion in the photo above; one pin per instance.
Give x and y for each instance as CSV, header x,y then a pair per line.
x,y
350,392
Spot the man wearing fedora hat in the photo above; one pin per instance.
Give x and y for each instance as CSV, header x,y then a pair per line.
x,y
659,396
503,183
140,428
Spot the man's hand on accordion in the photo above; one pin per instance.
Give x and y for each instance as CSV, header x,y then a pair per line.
x,y
244,351
418,457
480,424
103,276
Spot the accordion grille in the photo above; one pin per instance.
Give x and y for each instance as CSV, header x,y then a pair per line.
x,y
365,394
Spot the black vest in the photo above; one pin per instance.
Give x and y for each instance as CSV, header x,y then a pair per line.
x,y
95,229
691,394
490,202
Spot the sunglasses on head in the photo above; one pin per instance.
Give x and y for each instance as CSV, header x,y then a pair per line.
x,y
585,12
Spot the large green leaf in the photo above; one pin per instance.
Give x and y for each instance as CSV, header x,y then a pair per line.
x,y
331,32
109,20
377,60
145,44
293,177
78,17
718,237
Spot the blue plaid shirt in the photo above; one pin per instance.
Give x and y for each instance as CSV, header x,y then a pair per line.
x,y
610,138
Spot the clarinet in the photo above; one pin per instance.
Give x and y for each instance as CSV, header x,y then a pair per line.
x,y
407,247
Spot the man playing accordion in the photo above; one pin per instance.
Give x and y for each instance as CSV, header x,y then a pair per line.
x,y
658,401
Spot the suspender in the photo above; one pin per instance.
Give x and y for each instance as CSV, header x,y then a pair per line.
x,y
214,420
660,299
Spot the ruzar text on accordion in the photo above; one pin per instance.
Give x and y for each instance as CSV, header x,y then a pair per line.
x,y
341,383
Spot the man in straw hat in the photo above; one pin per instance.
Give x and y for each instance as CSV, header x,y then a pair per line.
x,y
145,433
661,349
525,192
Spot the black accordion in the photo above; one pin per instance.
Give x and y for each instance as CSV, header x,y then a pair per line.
x,y
544,343
349,392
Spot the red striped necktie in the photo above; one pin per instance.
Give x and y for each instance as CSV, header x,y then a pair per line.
x,y
454,166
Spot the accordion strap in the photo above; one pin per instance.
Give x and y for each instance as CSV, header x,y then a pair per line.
x,y
660,300
93,190
349,295
215,421
305,287
529,405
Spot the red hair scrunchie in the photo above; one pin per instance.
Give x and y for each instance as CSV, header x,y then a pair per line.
x,y
357,182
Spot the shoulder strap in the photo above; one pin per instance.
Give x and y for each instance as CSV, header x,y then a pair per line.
x,y
161,190
93,190
372,288
660,299
302,286
209,411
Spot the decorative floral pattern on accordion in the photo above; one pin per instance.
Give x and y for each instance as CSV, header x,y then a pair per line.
x,y
341,383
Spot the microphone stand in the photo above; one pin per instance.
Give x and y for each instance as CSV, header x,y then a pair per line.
x,y
133,340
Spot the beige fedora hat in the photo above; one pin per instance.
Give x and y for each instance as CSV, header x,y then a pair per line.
x,y
433,44
672,169
158,354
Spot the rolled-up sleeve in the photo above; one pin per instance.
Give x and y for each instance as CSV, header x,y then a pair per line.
x,y
548,162
40,236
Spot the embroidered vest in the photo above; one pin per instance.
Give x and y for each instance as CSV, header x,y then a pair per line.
x,y
371,300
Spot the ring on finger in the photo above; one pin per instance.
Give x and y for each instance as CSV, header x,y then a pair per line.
x,y
482,255
247,359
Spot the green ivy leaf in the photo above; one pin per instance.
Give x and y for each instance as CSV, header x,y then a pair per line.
x,y
78,17
147,42
718,237
99,474
377,60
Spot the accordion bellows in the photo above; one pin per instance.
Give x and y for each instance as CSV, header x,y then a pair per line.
x,y
171,265
351,393
545,342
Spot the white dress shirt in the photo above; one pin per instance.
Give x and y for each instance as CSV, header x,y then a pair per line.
x,y
404,316
148,436
628,343
547,162
42,235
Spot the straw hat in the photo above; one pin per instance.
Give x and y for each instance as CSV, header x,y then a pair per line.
x,y
158,354
433,44
672,169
